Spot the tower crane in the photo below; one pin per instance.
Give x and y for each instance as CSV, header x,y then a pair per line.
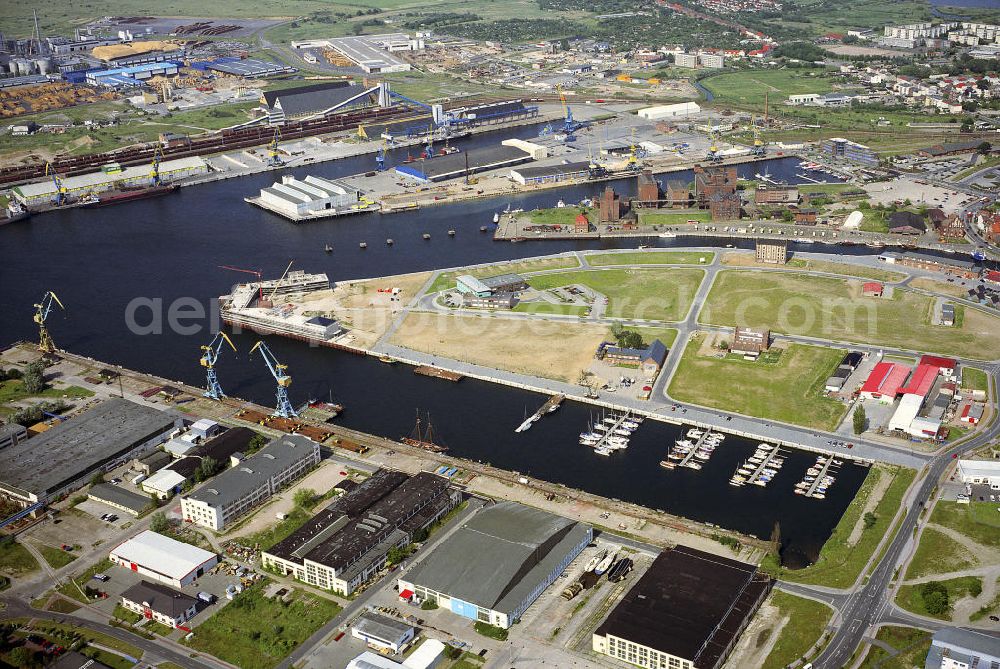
x,y
209,355
154,172
759,149
569,125
42,309
273,157
429,151
256,272
713,148
57,181
284,406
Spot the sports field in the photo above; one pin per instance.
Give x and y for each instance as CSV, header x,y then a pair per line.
x,y
789,391
650,294
828,308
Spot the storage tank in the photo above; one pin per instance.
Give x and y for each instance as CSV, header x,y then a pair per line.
x,y
43,65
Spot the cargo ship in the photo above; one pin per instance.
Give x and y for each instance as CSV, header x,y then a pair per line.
x,y
127,195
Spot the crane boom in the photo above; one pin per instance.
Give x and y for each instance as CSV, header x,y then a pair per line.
x,y
278,282
283,408
209,356
42,309
256,272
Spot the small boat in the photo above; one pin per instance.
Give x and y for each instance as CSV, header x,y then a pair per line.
x,y
694,434
387,359
602,427
675,456
363,245
693,465
328,248
602,451
687,443
496,217
389,241
595,561
483,228
799,491
427,236
560,204
666,464
764,447
424,439
451,233
604,564
818,495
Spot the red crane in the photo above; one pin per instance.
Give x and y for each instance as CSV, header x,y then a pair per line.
x,y
255,272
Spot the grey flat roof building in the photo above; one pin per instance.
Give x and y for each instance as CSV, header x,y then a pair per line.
x,y
974,648
117,496
382,628
534,172
501,556
454,164
160,598
79,446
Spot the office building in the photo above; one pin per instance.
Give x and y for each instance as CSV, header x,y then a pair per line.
x,y
158,602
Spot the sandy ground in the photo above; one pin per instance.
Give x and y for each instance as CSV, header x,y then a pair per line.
x,y
749,652
321,480
551,350
953,289
359,305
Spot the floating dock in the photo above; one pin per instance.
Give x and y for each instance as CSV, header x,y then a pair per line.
x,y
438,373
822,479
689,460
605,444
763,471
552,404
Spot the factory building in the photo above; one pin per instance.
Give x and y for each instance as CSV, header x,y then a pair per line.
x,y
160,603
771,253
163,559
305,101
463,163
120,498
11,434
130,77
497,563
313,195
44,192
236,491
346,544
980,472
382,632
505,283
687,611
678,110
884,382
64,457
550,173
372,53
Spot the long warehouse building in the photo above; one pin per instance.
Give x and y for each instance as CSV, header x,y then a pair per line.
x,y
495,565
66,456
463,163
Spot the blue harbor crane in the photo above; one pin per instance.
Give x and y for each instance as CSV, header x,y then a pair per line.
x,y
209,355
154,172
273,156
42,309
284,406
60,196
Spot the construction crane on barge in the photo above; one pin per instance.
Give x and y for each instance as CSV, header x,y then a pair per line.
x,y
283,408
209,355
42,310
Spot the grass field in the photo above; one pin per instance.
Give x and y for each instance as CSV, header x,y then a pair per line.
x,y
66,632
70,588
269,537
15,558
840,563
254,632
547,308
990,608
747,87
56,557
665,335
446,280
652,294
650,258
813,265
830,308
939,554
974,379
13,390
789,391
674,218
558,215
807,619
909,597
978,520
911,643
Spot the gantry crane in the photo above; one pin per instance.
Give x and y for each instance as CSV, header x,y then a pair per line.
x,y
154,172
273,157
759,149
429,149
209,355
60,197
42,309
380,157
283,408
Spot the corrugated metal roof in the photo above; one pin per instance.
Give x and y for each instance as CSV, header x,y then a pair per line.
x,y
166,556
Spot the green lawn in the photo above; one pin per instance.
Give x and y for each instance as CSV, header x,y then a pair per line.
x,y
280,530
56,557
121,613
939,554
974,379
13,390
650,258
911,643
157,628
559,215
651,294
807,619
846,269
909,595
545,308
674,217
70,588
66,633
748,87
874,221
839,563
665,335
978,520
15,558
990,608
446,280
254,632
789,390
830,308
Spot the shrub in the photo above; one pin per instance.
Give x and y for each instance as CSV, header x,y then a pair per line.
x,y
429,605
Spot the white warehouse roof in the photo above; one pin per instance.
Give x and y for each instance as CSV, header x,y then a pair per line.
x,y
172,558
979,468
666,111
100,179
425,656
907,410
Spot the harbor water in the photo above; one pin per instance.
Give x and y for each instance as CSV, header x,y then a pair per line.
x,y
149,257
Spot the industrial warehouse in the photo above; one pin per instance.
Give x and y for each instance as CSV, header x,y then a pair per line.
x,y
163,559
687,611
251,482
61,459
463,164
311,197
497,563
346,544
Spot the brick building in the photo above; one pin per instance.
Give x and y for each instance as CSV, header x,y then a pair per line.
x,y
648,190
715,190
612,206
678,194
776,195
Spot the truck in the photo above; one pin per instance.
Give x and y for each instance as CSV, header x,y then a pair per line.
x,y
207,597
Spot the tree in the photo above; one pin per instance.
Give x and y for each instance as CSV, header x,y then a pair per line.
x,y
22,657
630,339
256,443
208,468
935,597
870,520
860,419
98,477
304,497
787,216
396,554
420,535
33,380
158,522
984,148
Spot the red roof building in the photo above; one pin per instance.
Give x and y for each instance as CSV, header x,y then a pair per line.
x,y
922,381
945,365
872,289
885,381
991,276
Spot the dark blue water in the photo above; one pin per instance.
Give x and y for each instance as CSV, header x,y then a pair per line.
x,y
169,250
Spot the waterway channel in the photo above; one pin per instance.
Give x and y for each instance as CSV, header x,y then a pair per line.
x,y
168,251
